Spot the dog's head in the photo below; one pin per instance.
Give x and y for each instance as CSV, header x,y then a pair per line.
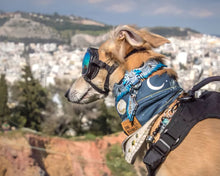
x,y
116,52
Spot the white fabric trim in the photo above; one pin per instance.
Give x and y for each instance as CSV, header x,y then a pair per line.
x,y
132,144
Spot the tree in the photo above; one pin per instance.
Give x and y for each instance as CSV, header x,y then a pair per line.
x,y
4,110
32,100
107,122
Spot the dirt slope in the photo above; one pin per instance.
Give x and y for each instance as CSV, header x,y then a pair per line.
x,y
34,155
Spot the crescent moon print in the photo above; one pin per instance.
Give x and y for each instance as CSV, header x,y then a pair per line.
x,y
154,87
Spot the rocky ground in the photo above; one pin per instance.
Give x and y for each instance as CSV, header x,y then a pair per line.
x,y
33,155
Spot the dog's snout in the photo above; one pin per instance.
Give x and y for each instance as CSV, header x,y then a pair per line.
x,y
67,93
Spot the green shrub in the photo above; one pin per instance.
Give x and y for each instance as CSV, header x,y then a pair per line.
x,y
90,136
108,121
117,164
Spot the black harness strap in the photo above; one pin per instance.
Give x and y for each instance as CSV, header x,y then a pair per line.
x,y
191,110
202,83
110,70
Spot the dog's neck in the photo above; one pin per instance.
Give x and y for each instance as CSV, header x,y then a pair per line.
x,y
134,59
138,97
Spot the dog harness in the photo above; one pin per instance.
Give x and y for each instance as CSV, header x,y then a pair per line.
x,y
138,97
191,110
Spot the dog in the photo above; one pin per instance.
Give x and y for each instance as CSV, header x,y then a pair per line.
x,y
119,58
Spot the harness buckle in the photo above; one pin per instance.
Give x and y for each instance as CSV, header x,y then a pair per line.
x,y
176,140
186,99
162,147
161,140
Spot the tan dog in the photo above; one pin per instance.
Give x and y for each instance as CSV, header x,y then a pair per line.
x,y
199,153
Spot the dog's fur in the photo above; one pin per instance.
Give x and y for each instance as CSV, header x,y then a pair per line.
x,y
199,153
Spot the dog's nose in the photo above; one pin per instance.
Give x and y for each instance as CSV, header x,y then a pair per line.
x,y
67,93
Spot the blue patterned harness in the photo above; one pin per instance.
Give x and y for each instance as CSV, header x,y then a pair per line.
x,y
144,97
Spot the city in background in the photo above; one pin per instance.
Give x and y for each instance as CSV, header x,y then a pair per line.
x,y
53,47
55,59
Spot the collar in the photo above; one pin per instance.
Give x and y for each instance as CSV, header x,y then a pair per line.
x,y
134,51
132,144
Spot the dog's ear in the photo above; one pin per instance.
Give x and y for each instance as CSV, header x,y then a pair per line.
x,y
154,40
130,34
139,38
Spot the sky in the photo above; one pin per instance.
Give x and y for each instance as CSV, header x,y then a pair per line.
x,y
200,15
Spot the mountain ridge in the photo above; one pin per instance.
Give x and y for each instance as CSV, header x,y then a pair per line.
x,y
46,28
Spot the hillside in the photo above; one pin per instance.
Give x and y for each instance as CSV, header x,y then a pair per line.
x,y
26,154
21,28
173,31
44,28
32,27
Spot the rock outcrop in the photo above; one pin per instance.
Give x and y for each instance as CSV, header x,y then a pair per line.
x,y
31,154
19,27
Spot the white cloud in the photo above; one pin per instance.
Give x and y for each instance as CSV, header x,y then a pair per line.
x,y
168,9
174,10
122,7
201,13
95,1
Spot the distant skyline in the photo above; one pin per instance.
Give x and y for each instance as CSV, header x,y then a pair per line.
x,y
201,15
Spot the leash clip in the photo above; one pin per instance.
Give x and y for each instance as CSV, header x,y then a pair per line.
x,y
150,139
